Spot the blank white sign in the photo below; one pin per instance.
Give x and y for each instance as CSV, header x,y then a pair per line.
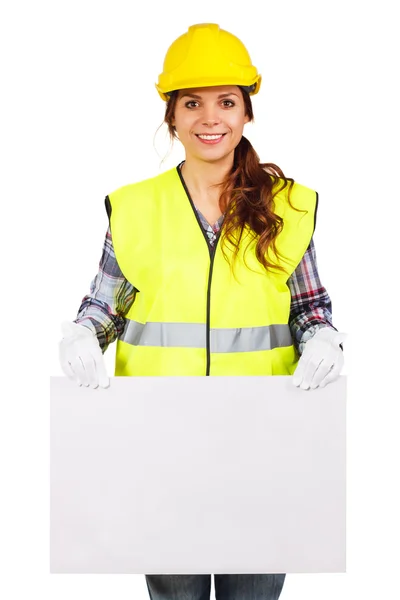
x,y
180,475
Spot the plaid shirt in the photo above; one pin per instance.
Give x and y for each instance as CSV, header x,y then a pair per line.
x,y
111,296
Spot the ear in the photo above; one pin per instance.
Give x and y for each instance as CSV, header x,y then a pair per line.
x,y
246,119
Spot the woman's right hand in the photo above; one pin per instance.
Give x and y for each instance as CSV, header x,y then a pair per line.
x,y
81,357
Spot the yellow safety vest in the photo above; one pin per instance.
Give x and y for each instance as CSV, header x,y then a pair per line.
x,y
192,315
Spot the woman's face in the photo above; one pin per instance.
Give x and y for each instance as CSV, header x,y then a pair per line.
x,y
209,121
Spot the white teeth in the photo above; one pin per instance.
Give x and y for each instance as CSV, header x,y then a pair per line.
x,y
210,137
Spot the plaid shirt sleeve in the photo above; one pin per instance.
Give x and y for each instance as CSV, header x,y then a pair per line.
x,y
110,298
311,307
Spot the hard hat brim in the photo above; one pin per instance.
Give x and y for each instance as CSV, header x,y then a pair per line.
x,y
252,88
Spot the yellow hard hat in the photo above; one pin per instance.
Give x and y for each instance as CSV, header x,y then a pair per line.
x,y
206,56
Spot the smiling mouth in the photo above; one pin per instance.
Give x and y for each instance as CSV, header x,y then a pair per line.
x,y
210,136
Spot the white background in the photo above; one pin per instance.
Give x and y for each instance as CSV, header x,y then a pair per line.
x,y
78,116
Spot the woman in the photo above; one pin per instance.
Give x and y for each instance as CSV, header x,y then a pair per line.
x,y
208,268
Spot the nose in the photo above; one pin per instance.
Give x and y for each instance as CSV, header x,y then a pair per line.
x,y
210,116
210,122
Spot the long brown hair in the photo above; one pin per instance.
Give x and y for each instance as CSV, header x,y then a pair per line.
x,y
247,196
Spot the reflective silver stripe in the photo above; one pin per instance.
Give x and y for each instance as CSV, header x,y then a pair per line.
x,y
193,335
250,339
178,335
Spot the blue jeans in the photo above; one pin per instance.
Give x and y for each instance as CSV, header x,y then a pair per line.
x,y
227,587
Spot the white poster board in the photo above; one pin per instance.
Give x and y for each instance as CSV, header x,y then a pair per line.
x,y
198,475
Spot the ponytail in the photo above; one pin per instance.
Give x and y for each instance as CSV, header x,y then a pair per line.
x,y
247,198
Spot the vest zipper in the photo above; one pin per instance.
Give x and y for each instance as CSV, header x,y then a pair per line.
x,y
208,327
211,251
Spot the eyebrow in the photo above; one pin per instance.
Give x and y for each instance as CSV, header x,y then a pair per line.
x,y
199,97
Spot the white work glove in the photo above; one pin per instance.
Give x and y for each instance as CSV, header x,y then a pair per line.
x,y
321,360
80,356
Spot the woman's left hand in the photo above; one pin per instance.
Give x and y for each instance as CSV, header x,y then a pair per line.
x,y
321,360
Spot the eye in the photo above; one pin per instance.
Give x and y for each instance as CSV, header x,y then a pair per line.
x,y
228,103
190,104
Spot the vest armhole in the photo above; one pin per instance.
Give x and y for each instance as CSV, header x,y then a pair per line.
x,y
315,212
108,206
